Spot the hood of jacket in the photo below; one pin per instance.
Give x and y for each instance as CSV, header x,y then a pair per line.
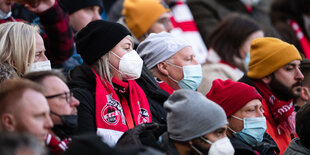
x,y
296,148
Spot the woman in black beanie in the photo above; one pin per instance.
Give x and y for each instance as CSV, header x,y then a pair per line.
x,y
111,102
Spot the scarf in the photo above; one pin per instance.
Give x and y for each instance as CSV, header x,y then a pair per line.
x,y
164,86
281,111
57,146
304,42
114,116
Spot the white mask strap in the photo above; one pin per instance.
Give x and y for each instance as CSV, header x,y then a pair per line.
x,y
231,130
206,140
237,118
196,150
115,55
173,64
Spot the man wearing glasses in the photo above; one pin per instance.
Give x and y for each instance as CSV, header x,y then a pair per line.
x,y
62,105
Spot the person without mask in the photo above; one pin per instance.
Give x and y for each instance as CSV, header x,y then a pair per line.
x,y
196,125
24,109
111,101
82,12
63,109
143,17
171,61
304,97
247,124
274,71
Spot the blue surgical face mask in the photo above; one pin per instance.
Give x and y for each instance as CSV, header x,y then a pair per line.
x,y
247,60
192,77
4,15
253,130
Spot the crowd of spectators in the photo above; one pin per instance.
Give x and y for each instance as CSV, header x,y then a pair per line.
x,y
179,77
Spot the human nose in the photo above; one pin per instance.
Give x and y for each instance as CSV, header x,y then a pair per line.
x,y
260,112
168,26
96,16
43,57
74,102
299,75
48,122
195,62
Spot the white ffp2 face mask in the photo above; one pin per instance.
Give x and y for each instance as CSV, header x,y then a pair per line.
x,y
130,65
41,66
220,147
250,2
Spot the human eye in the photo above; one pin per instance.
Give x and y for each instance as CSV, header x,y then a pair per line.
x,y
250,110
40,116
37,56
289,67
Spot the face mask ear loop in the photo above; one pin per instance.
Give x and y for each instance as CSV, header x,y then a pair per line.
x,y
173,64
237,118
231,130
112,65
115,55
206,140
193,147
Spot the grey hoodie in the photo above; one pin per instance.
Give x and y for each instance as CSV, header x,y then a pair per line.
x,y
296,148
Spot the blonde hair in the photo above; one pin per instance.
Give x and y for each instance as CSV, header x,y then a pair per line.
x,y
18,45
102,67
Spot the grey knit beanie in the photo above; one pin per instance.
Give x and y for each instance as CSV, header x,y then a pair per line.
x,y
191,115
159,47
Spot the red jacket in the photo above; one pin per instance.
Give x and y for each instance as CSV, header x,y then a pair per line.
x,y
281,137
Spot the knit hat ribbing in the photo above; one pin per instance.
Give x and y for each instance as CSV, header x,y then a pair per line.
x,y
140,15
268,55
98,38
159,47
231,95
191,115
73,6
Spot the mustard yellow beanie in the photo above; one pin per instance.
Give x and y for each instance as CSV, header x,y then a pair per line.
x,y
140,15
268,55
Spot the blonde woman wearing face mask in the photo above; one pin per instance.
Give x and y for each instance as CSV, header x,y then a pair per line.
x,y
22,48
111,102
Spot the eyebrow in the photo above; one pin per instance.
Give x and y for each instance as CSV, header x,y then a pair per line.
x,y
292,64
220,129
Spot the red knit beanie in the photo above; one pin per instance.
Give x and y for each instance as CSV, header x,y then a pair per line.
x,y
231,95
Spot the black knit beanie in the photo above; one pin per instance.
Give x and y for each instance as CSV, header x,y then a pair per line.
x,y
98,38
72,6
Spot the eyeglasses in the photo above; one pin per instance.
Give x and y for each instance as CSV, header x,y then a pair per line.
x,y
68,96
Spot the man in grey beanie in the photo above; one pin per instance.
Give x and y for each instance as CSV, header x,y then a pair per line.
x,y
171,60
196,125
